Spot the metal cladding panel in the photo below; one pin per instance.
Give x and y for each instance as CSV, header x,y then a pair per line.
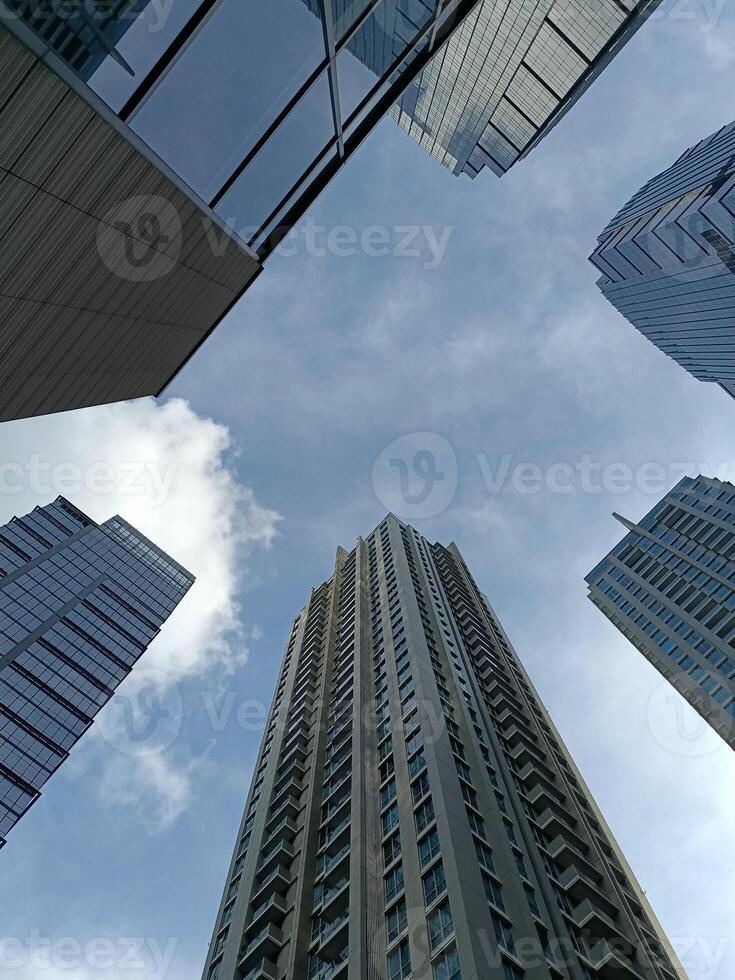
x,y
110,274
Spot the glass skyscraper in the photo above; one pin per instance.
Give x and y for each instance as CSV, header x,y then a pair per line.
x,y
509,74
414,812
79,605
669,586
82,32
668,260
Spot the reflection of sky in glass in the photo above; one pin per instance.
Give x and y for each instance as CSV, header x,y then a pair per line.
x,y
209,114
231,83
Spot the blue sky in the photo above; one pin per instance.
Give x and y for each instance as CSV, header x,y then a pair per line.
x,y
262,461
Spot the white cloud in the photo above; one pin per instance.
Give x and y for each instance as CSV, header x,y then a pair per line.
x,y
168,472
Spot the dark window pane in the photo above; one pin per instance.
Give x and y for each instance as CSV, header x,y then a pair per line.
x,y
248,61
283,160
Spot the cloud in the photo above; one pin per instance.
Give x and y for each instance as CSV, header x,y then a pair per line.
x,y
169,472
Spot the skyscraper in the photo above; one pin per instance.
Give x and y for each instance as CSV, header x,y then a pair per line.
x,y
668,260
669,586
79,605
230,115
414,812
509,74
83,32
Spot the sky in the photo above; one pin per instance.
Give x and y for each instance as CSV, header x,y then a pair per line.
x,y
483,345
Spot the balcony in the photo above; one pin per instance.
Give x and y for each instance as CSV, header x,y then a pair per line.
x,y
289,807
324,895
513,733
552,823
611,964
541,797
322,969
565,855
330,936
265,945
293,779
278,880
579,887
281,852
265,970
327,862
598,925
273,909
285,828
328,836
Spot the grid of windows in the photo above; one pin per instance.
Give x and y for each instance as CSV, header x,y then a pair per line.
x,y
79,605
670,587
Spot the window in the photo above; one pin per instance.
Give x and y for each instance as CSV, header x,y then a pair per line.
x,y
493,891
390,819
416,764
387,793
435,883
420,788
511,972
440,925
392,849
477,825
428,847
393,882
484,856
396,920
532,902
399,962
447,966
424,816
503,933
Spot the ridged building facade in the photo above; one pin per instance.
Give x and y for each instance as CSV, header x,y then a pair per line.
x,y
413,812
669,586
668,260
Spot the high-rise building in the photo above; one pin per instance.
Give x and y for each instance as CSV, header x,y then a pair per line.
x,y
83,32
414,812
79,605
509,74
668,260
229,114
669,586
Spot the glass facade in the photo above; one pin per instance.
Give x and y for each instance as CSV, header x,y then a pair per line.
x,y
668,260
508,74
83,32
79,604
669,586
414,812
314,77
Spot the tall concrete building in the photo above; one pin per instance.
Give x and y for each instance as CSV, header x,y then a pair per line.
x,y
669,586
509,74
668,260
414,812
79,605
